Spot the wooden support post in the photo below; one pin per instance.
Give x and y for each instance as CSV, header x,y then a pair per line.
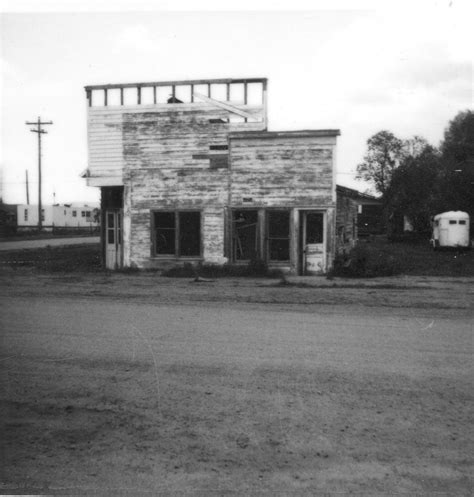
x,y
89,97
173,91
192,93
121,96
209,90
228,92
154,94
245,95
139,95
105,97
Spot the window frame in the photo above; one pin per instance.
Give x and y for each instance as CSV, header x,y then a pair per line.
x,y
258,254
177,237
268,212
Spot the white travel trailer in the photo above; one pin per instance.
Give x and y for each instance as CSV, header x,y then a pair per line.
x,y
451,229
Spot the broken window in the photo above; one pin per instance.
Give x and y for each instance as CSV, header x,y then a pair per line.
x,y
278,235
244,235
178,233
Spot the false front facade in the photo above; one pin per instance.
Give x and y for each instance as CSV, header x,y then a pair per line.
x,y
189,173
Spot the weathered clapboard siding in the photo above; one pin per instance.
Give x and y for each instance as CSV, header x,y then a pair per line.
x,y
282,171
158,162
346,221
202,157
107,127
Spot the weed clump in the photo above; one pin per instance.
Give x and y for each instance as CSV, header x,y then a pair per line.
x,y
254,269
362,263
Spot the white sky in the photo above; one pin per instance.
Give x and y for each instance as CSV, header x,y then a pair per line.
x,y
403,69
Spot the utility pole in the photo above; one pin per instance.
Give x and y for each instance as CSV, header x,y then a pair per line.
x,y
27,189
40,131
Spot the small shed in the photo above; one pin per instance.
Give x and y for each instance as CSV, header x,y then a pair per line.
x,y
451,229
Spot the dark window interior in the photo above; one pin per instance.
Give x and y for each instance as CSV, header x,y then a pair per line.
x,y
189,233
244,224
314,227
165,229
178,233
452,222
462,222
279,235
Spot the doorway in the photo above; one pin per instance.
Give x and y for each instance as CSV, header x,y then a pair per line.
x,y
312,243
113,239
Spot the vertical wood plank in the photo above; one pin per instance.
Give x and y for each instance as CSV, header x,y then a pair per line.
x,y
245,96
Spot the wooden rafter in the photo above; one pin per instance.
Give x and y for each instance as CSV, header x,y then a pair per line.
x,y
226,106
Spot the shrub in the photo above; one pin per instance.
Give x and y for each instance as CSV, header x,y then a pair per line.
x,y
360,263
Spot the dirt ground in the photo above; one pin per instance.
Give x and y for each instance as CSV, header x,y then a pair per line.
x,y
132,384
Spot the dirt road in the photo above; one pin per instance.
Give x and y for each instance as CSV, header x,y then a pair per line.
x,y
211,398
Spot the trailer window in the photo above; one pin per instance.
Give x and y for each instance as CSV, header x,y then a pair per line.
x,y
452,221
462,221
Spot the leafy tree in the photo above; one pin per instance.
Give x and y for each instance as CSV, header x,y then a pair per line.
x,y
413,190
456,183
384,153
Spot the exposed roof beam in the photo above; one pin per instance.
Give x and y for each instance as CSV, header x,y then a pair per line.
x,y
226,106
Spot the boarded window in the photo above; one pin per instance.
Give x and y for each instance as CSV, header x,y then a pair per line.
x,y
244,235
278,235
220,161
178,233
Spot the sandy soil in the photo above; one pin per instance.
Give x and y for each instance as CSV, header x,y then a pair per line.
x,y
129,384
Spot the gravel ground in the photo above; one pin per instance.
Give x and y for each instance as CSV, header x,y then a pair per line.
x,y
134,384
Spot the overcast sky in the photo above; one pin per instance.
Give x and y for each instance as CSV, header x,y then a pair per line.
x,y
408,71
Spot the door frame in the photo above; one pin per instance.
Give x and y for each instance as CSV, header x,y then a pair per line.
x,y
301,220
117,262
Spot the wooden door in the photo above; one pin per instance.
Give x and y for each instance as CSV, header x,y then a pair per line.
x,y
113,239
313,242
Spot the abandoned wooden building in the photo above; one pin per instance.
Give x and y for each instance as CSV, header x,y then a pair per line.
x,y
189,173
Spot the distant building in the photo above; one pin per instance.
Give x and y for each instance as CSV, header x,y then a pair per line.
x,y
75,216
8,213
358,215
